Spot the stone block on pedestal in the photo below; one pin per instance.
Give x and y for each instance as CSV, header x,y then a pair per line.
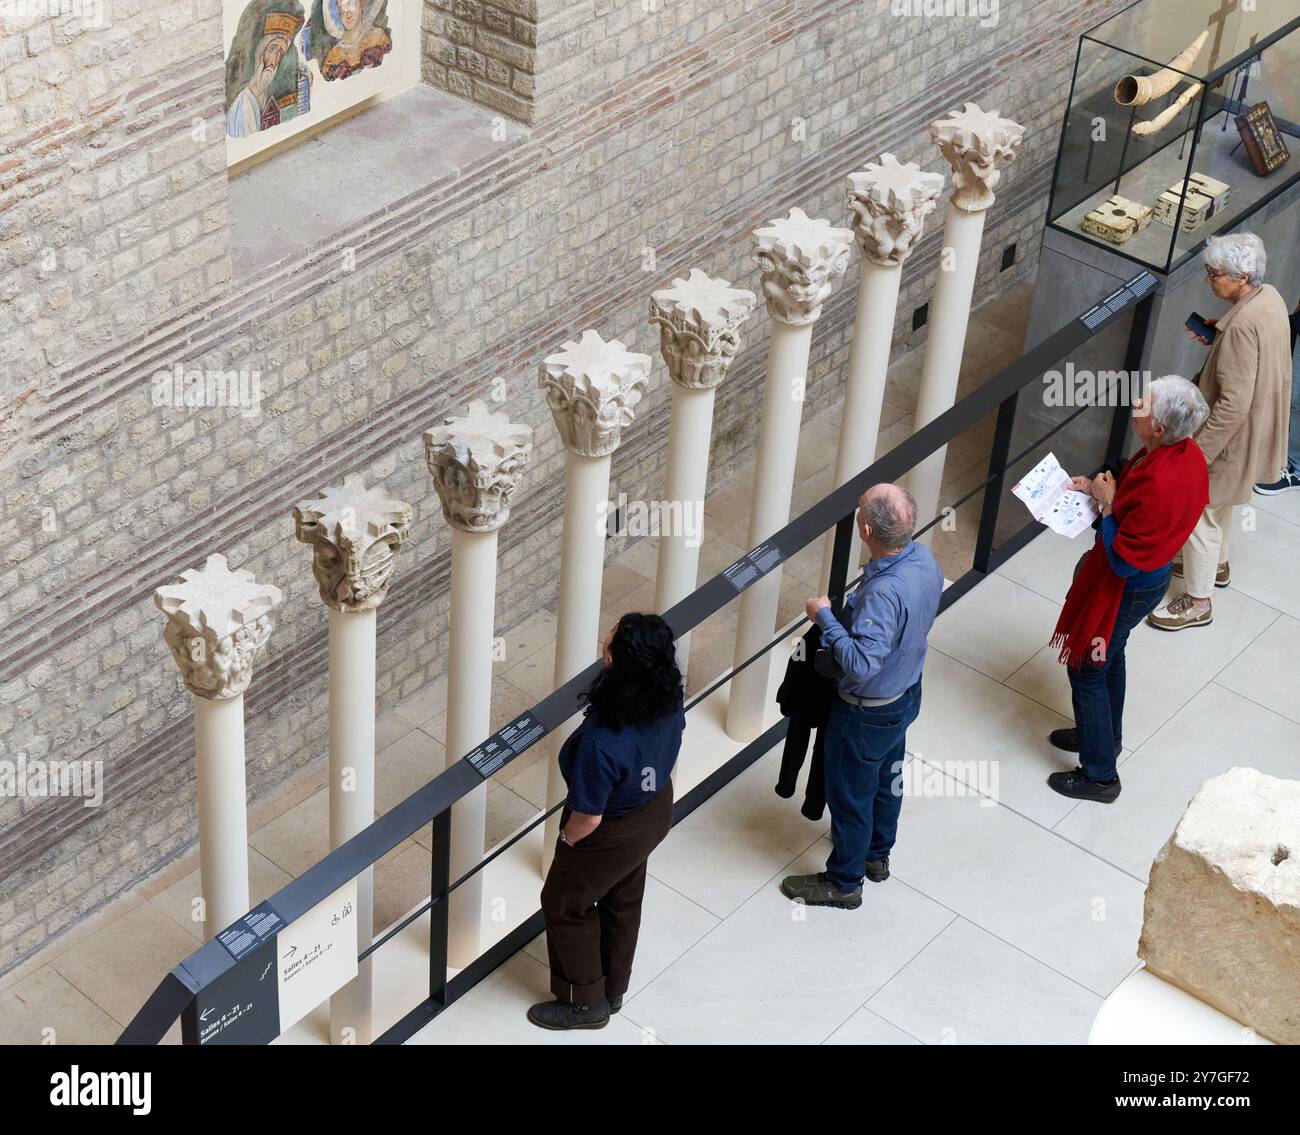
x,y
1222,911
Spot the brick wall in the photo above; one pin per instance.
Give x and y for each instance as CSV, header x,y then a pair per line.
x,y
665,137
484,51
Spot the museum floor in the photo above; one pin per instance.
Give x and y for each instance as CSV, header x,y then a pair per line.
x,y
1004,922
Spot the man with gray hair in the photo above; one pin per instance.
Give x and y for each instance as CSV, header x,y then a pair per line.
x,y
1246,381
876,650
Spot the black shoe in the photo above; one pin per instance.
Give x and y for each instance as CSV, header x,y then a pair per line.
x,y
878,869
615,1003
1289,480
1077,786
566,1015
1068,739
818,890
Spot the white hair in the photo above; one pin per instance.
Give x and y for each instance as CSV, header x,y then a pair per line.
x,y
1238,254
1177,405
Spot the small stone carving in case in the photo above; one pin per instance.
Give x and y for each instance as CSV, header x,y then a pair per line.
x,y
1117,219
1205,198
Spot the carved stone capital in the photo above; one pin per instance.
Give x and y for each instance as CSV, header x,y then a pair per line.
x,y
800,258
477,462
976,144
218,620
890,202
699,322
356,533
592,387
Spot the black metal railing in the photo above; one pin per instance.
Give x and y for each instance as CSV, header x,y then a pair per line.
x,y
215,975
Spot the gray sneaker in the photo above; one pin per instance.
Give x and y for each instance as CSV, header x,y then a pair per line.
x,y
818,890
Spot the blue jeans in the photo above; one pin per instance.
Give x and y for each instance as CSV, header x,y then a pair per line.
x,y
864,790
1097,689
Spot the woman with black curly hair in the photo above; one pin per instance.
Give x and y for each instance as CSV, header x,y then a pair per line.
x,y
618,809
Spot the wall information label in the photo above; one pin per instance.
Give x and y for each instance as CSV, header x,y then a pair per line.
x,y
753,565
506,744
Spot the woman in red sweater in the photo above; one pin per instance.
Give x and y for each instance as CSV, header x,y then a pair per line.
x,y
1147,513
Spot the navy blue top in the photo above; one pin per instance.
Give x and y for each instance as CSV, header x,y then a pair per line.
x,y
879,637
1135,579
613,772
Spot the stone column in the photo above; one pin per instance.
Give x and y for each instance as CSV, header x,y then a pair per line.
x,y
355,534
800,258
592,387
889,202
218,620
477,461
699,322
976,144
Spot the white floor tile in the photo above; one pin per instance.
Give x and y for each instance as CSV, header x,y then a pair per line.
x,y
997,627
989,737
493,1012
728,848
969,987
1019,881
864,1027
1164,669
1216,731
1265,560
1046,564
670,925
777,972
1266,671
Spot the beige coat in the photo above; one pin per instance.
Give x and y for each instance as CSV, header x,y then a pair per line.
x,y
1247,382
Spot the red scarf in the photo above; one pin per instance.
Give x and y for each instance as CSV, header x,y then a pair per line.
x,y
1159,498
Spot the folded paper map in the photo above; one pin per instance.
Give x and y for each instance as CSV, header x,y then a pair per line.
x,y
1046,491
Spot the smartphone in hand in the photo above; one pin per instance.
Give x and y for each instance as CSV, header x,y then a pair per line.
x,y
1197,326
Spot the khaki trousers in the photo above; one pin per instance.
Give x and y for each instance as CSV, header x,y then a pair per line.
x,y
1205,550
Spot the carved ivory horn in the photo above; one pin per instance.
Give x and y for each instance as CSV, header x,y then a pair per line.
x,y
1138,90
1166,116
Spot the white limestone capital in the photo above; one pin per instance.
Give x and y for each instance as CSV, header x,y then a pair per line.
x,y
699,322
477,460
356,533
976,144
218,620
890,200
592,387
800,257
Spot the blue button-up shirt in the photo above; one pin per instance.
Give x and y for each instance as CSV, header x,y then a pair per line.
x,y
879,637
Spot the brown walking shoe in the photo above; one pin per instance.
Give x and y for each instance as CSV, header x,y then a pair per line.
x,y
1222,577
1180,614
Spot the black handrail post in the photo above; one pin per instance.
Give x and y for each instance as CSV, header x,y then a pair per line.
x,y
1137,338
839,580
993,490
438,912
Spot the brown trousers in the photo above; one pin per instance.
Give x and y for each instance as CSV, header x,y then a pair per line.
x,y
591,901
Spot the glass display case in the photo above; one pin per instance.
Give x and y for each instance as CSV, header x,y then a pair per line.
x,y
1183,119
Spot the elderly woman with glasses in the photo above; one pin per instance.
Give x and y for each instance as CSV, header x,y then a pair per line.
x,y
1246,380
1146,514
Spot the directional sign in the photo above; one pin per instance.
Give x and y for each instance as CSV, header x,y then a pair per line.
x,y
317,954
242,1006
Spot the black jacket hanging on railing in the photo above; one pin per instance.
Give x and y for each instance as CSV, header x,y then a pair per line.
x,y
805,698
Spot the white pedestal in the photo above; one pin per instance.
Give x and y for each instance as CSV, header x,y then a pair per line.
x,y
864,391
469,721
578,633
689,432
778,445
1145,1009
352,793
950,314
223,815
